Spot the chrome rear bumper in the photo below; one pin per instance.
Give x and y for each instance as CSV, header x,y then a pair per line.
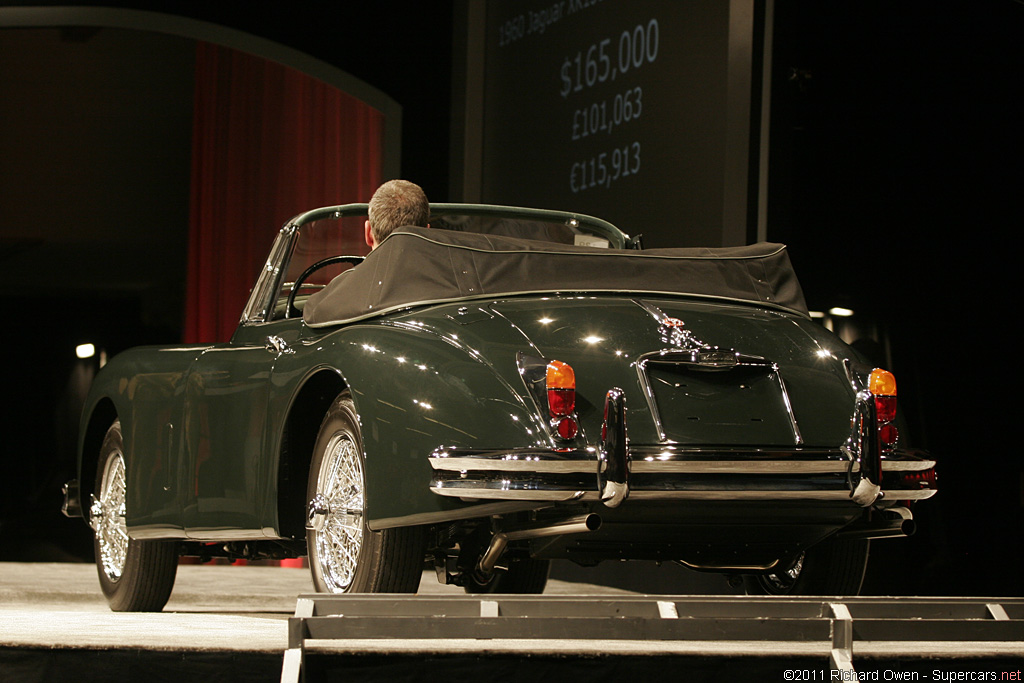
x,y
658,473
615,470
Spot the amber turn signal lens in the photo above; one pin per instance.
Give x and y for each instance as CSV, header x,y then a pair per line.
x,y
881,383
560,375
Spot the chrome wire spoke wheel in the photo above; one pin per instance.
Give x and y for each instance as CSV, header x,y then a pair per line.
x,y
107,518
344,555
135,576
339,536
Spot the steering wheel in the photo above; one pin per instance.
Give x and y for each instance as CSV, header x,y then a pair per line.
x,y
289,310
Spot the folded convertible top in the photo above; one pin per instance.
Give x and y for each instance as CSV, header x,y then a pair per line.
x,y
416,266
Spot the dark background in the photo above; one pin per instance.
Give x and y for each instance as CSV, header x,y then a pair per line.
x,y
894,178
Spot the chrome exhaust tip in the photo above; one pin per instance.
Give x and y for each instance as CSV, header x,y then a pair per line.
x,y
499,541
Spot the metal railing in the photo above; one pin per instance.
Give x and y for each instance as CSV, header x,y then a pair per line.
x,y
826,630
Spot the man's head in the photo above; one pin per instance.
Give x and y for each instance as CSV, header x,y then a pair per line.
x,y
394,204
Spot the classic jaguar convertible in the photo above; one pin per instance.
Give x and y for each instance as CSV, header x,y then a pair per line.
x,y
503,389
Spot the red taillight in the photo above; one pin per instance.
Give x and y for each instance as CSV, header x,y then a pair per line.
x,y
886,407
567,428
888,434
561,388
882,385
925,479
561,401
561,385
917,480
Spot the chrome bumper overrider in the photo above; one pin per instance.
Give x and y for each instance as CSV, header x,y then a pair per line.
x,y
615,469
72,505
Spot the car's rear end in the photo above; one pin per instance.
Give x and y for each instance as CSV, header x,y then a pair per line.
x,y
722,435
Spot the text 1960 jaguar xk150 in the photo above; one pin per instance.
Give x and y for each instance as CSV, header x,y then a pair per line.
x,y
508,387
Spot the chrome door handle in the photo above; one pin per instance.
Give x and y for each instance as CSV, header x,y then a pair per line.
x,y
277,345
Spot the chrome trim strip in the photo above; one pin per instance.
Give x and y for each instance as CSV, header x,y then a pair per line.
x,y
499,464
648,390
500,491
468,491
533,371
797,436
650,466
772,495
541,460
675,450
740,467
838,495
906,465
665,460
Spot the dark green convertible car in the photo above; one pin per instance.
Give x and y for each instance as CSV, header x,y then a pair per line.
x,y
503,389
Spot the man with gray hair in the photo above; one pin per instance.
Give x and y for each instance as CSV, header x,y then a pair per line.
x,y
395,203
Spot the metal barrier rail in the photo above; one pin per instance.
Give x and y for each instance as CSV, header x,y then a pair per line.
x,y
719,626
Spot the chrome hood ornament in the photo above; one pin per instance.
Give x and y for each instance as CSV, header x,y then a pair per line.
x,y
673,331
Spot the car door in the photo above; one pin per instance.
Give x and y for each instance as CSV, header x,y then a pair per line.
x,y
225,433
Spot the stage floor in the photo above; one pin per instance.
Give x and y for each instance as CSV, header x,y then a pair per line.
x,y
213,607
227,623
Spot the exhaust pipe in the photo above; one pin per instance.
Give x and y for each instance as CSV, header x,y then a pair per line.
x,y
499,541
899,522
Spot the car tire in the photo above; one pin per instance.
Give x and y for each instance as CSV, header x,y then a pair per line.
x,y
525,577
834,566
136,576
345,556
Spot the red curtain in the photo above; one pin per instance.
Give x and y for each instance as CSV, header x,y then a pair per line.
x,y
268,142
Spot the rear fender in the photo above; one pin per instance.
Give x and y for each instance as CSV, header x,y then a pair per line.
x,y
416,391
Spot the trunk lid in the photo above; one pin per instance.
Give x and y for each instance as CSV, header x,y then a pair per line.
x,y
696,372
